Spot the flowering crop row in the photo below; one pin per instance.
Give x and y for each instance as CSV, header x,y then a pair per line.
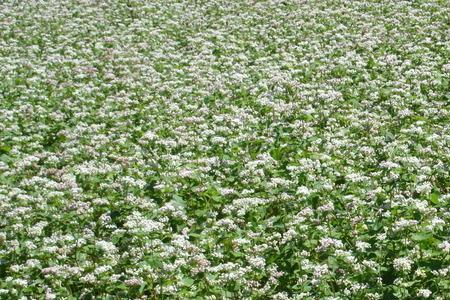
x,y
212,149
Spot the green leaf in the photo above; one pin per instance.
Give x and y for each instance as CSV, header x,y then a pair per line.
x,y
434,198
421,236
178,201
141,289
4,149
187,281
333,262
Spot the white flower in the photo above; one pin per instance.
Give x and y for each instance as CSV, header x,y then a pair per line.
x,y
362,246
403,264
424,293
303,190
326,243
257,262
107,247
134,282
137,223
445,246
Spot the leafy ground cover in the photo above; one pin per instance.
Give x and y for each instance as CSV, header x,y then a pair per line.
x,y
225,149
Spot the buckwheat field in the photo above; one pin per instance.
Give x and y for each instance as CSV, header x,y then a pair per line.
x,y
218,149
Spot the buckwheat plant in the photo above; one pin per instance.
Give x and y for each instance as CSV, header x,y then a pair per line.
x,y
212,149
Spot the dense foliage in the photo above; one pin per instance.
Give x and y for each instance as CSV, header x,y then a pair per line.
x,y
220,149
